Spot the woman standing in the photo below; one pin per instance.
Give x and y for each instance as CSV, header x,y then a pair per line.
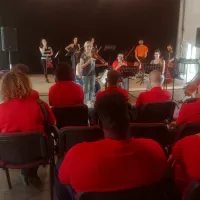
x,y
159,61
73,50
46,53
87,64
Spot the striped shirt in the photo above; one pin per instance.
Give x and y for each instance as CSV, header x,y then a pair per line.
x,y
47,51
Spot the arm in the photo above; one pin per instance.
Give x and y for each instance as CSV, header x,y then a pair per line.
x,y
82,64
182,118
68,47
163,67
79,73
42,50
136,56
79,47
51,53
52,119
139,100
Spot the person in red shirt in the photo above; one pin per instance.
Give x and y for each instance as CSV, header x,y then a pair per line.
x,y
25,69
117,64
20,112
141,52
65,92
185,161
112,80
115,163
156,94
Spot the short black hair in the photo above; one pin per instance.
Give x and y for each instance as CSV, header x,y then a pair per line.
x,y
64,72
113,77
20,68
113,112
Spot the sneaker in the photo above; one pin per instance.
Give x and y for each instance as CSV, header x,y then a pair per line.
x,y
24,179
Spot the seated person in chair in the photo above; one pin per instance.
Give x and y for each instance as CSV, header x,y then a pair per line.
x,y
156,94
20,112
65,92
185,161
112,80
24,69
115,163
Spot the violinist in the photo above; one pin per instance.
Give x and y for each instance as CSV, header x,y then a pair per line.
x,y
94,46
117,64
74,50
87,65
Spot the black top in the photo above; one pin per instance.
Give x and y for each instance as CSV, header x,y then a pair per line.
x,y
89,70
47,51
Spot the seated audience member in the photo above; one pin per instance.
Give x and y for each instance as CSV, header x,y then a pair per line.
x,y
186,163
19,112
65,92
112,80
115,163
24,69
190,112
156,94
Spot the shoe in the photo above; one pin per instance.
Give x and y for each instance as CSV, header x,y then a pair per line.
x,y
47,80
24,179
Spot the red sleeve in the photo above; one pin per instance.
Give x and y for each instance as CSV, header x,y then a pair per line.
x,y
146,49
50,96
81,94
126,94
176,151
65,168
139,100
52,119
183,115
136,49
114,65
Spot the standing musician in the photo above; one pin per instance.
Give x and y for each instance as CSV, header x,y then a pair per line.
x,y
141,52
94,46
46,53
117,64
73,50
87,66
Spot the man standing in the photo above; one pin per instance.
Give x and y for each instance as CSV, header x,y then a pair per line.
x,y
141,52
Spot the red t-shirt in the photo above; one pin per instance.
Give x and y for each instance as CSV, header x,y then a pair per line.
x,y
116,63
112,89
156,94
21,115
186,153
66,93
141,50
35,94
109,165
189,113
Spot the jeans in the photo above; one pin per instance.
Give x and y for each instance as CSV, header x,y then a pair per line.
x,y
89,88
73,60
125,83
62,192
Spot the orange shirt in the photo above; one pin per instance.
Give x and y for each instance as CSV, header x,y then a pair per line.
x,y
141,50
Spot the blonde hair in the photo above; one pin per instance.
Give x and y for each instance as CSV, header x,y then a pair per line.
x,y
87,43
15,85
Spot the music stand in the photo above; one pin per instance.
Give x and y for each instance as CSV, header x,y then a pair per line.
x,y
148,68
129,71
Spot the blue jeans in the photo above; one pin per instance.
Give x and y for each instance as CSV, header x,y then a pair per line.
x,y
125,83
89,88
62,192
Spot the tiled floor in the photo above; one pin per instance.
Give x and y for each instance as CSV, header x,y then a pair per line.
x,y
21,192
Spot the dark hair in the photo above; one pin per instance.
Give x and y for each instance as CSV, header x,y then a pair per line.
x,y
20,68
41,45
113,77
64,72
157,51
112,110
74,38
170,45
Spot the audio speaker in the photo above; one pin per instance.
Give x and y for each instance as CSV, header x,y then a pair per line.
x,y
8,39
198,38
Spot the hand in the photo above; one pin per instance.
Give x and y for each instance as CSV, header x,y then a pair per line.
x,y
106,64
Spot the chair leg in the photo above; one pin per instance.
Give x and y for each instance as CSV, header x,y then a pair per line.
x,y
52,165
8,178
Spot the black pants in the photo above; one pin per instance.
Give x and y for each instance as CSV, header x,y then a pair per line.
x,y
30,172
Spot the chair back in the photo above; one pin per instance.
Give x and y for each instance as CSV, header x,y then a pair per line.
x,y
193,191
71,115
70,136
22,148
191,100
155,131
156,112
187,130
141,193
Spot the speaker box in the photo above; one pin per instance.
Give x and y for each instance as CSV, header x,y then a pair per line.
x,y
198,38
8,39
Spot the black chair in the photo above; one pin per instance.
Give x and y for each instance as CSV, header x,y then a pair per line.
x,y
155,131
187,130
70,136
71,115
193,191
156,112
190,100
26,150
142,193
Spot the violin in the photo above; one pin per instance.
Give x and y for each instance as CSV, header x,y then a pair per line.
x,y
96,56
192,87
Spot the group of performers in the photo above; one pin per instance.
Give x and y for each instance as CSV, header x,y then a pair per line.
x,y
84,62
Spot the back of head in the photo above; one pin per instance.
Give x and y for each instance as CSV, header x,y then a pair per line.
x,y
113,77
155,78
15,85
64,72
112,110
20,68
